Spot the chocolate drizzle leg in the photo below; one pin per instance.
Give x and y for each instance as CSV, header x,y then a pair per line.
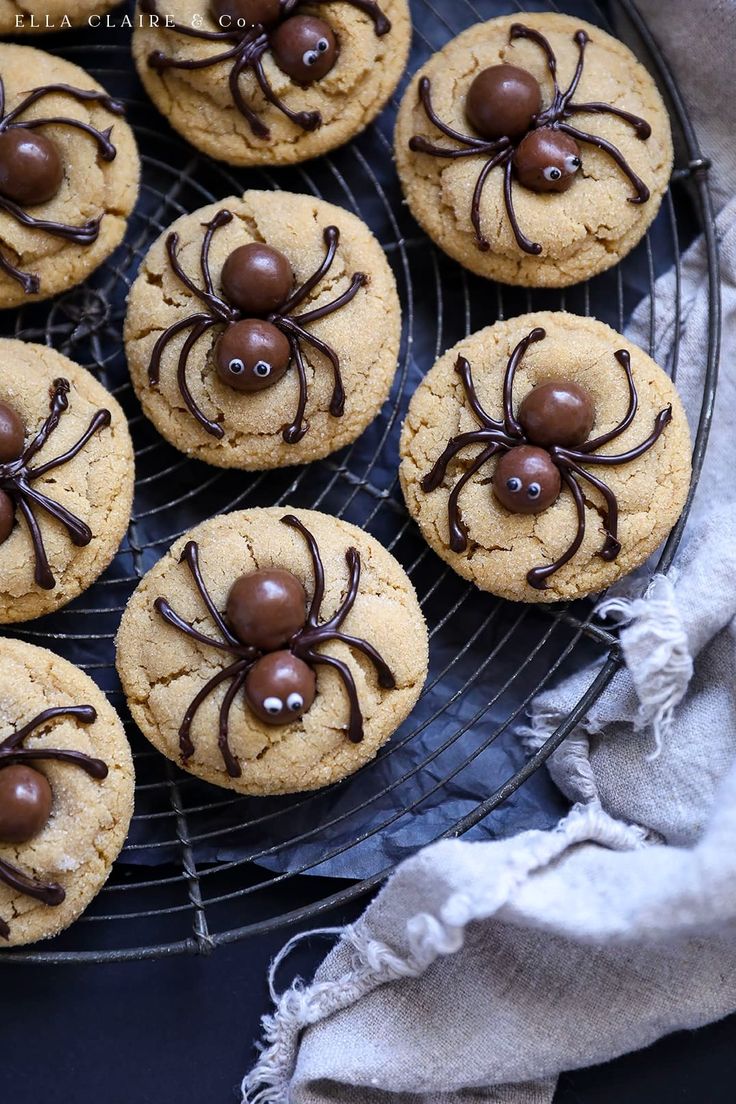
x,y
246,46
20,820
543,447
542,154
17,478
221,310
31,170
266,664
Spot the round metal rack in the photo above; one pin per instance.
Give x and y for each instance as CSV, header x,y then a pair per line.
x,y
203,866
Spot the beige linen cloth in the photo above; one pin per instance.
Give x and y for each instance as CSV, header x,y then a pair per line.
x,y
484,969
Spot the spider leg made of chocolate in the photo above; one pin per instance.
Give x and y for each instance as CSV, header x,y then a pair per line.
x,y
537,147
27,797
546,446
273,667
17,477
304,47
262,335
31,168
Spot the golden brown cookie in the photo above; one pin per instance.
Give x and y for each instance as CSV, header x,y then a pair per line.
x,y
66,479
44,16
523,497
67,187
313,79
242,403
66,792
528,201
319,673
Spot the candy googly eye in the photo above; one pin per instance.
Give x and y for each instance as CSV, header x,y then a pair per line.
x,y
295,702
322,46
534,490
236,366
273,706
513,484
262,368
572,163
551,173
310,57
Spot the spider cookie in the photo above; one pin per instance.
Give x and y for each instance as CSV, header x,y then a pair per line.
x,y
534,149
66,792
271,82
545,456
263,331
68,174
273,650
66,479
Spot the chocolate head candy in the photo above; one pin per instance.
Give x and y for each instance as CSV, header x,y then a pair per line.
x,y
25,803
7,516
257,279
266,608
526,480
305,48
502,101
31,170
547,160
245,13
252,355
558,412
280,687
12,434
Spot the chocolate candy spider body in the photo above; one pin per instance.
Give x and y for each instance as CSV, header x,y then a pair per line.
x,y
263,335
26,797
31,168
538,147
545,449
17,477
274,639
304,47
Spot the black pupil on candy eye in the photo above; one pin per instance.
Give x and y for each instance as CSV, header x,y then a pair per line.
x,y
554,174
322,45
513,484
262,368
236,366
534,490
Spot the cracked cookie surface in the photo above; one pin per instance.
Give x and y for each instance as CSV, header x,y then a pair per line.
x,y
582,231
89,817
161,670
91,187
365,334
504,546
199,103
96,485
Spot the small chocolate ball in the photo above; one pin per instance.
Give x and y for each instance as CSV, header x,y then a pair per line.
x,y
252,355
245,13
266,607
280,688
526,480
257,279
12,434
547,160
25,803
305,48
7,516
502,101
31,170
558,412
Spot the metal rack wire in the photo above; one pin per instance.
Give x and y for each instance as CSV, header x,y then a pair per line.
x,y
202,866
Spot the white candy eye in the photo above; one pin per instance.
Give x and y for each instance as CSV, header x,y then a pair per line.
x,y
295,701
534,490
273,706
322,46
572,163
513,484
236,366
262,368
551,173
311,57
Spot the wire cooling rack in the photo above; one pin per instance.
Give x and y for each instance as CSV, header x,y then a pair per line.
x,y
203,866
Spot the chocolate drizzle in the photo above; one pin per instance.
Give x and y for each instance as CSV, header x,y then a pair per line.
x,y
302,646
17,480
13,752
88,232
244,48
219,312
508,434
501,152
